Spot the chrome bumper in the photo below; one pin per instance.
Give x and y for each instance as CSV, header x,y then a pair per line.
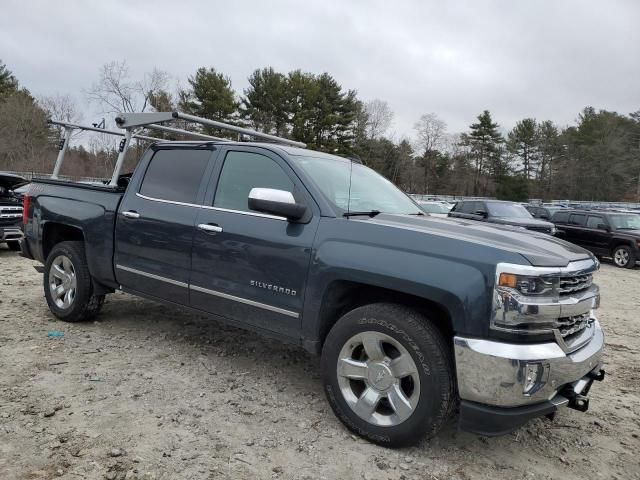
x,y
10,233
496,373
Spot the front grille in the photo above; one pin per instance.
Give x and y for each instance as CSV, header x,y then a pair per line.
x,y
575,283
10,215
569,327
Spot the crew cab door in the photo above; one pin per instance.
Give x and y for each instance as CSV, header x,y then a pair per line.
x,y
248,266
155,224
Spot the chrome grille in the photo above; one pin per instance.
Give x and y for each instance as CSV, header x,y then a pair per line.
x,y
10,215
576,283
569,326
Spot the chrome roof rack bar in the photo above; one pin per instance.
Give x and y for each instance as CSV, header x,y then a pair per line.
x,y
70,127
179,131
132,120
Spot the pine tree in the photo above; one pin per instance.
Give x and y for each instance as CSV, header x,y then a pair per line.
x,y
8,83
484,140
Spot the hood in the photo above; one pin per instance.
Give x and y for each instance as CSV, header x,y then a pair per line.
x,y
11,181
539,249
524,222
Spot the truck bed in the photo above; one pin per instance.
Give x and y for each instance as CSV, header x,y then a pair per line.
x,y
89,209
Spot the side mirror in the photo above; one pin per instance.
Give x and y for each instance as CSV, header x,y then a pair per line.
x,y
480,213
276,202
602,226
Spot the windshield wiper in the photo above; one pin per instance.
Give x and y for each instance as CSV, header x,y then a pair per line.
x,y
417,213
370,213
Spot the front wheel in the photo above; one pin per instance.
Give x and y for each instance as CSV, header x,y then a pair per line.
x,y
624,257
67,284
388,374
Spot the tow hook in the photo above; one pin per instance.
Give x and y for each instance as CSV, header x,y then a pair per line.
x,y
578,400
597,376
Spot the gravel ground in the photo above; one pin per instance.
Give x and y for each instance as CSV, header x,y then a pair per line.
x,y
149,392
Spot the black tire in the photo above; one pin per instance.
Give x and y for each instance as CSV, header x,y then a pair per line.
x,y
432,357
84,305
622,252
14,245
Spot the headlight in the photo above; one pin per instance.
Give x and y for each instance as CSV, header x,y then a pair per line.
x,y
530,285
554,230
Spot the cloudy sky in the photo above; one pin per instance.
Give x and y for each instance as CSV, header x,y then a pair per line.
x,y
545,59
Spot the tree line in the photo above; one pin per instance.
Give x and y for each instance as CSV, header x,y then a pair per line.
x,y
597,158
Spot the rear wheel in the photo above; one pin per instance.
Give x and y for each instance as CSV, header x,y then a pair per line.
x,y
14,245
67,284
388,374
624,257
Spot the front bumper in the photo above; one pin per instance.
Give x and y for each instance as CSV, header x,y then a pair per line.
x,y
8,234
528,380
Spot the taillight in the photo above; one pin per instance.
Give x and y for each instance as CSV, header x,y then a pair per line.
x,y
26,201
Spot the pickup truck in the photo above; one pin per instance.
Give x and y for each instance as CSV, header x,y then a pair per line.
x,y
415,318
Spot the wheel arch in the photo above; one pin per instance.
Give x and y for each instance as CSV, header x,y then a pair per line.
x,y
54,233
342,296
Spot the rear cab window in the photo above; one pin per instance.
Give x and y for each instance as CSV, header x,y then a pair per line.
x,y
175,175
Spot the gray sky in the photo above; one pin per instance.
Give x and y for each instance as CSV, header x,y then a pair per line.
x,y
545,59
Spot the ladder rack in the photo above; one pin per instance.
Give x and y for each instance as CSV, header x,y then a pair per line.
x,y
128,134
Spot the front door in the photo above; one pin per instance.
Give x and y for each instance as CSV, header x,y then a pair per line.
x,y
247,266
155,224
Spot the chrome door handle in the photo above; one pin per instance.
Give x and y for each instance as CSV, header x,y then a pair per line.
x,y
206,227
131,214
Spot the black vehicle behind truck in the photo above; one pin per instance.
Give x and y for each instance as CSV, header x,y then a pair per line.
x,y
414,316
10,210
606,234
500,213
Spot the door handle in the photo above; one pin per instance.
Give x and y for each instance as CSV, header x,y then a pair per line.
x,y
209,228
131,214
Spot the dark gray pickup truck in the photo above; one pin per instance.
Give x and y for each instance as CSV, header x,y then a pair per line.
x,y
415,317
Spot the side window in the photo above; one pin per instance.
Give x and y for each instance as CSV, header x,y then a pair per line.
x,y
175,174
577,219
561,217
465,207
479,207
243,171
593,222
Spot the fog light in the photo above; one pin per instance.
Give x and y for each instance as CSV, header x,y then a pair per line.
x,y
535,376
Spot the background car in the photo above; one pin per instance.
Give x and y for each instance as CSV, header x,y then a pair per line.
x,y
435,209
500,212
543,212
606,234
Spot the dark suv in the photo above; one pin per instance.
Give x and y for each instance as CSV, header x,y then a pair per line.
x,y
606,234
503,213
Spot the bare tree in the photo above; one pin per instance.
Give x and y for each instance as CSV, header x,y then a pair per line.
x,y
63,108
115,91
379,118
430,131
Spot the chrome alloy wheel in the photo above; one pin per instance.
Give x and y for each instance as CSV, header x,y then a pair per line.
x,y
378,379
621,257
62,282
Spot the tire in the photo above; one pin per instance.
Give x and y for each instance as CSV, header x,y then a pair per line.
x,y
14,245
392,333
623,257
66,271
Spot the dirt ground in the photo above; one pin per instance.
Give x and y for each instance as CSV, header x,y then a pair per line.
x,y
158,393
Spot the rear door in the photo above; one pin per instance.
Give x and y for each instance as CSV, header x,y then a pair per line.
x,y
575,229
248,266
597,234
155,224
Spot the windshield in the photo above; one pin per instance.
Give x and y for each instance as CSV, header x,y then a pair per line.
x,y
625,222
434,208
507,210
369,190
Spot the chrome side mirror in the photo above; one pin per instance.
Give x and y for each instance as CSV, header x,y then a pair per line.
x,y
276,202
